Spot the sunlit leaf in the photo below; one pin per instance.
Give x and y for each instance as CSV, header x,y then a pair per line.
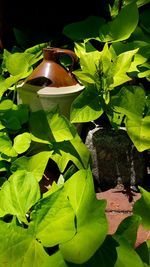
x,y
78,30
82,150
126,101
35,164
101,258
91,222
117,29
60,127
142,207
86,106
19,194
56,260
53,219
22,142
5,105
120,68
74,150
6,146
138,130
17,63
18,247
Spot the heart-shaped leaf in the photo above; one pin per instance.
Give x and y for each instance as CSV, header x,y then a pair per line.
x,y
91,223
18,247
19,194
22,142
87,106
53,219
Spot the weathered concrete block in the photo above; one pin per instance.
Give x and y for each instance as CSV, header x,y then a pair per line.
x,y
114,158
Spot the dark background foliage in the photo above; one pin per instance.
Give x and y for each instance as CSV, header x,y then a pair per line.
x,y
43,20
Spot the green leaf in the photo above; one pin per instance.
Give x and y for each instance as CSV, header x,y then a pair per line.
x,y
8,82
6,105
3,167
89,62
73,150
50,127
11,121
116,30
14,118
142,2
128,229
118,70
120,28
115,118
138,130
142,207
113,253
39,127
145,73
35,164
143,251
91,223
19,194
6,146
22,113
18,247
1,126
36,48
22,142
142,53
78,30
127,256
17,63
106,255
140,60
63,154
53,219
54,187
127,101
106,59
86,107
80,147
84,77
60,127
55,260
139,34
144,20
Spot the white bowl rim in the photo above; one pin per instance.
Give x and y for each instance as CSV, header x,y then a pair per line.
x,y
47,91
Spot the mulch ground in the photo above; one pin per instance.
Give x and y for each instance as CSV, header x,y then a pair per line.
x,y
119,206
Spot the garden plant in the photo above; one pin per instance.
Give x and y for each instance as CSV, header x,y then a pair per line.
x,y
65,225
